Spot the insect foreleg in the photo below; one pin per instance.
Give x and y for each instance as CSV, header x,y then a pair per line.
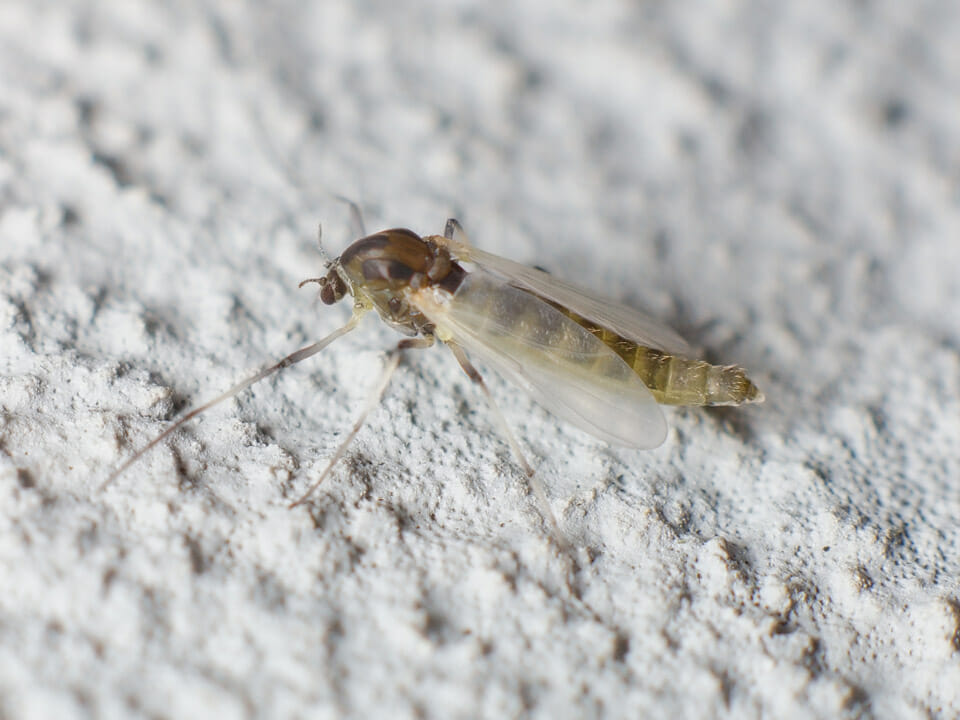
x,y
372,401
299,355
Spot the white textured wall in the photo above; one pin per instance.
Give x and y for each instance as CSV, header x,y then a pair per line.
x,y
778,181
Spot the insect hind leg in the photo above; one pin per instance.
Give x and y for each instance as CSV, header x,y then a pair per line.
x,y
533,482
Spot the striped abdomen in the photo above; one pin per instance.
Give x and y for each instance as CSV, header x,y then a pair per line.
x,y
677,380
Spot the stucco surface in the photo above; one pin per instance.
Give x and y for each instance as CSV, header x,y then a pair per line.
x,y
780,182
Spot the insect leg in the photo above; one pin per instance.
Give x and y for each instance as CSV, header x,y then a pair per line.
x,y
372,401
536,486
454,231
301,354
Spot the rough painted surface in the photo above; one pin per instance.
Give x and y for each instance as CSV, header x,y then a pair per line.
x,y
779,182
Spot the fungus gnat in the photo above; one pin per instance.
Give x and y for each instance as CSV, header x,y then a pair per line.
x,y
598,365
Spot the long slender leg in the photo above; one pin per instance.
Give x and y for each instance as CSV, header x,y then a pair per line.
x,y
373,399
533,481
477,378
298,356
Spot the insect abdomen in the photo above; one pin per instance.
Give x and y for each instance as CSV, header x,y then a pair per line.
x,y
678,380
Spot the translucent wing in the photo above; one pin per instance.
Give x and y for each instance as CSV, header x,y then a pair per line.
x,y
623,320
563,366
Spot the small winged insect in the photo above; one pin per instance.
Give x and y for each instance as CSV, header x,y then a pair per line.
x,y
600,366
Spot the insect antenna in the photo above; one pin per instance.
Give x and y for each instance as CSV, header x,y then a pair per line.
x,y
293,358
327,262
356,216
305,186
356,222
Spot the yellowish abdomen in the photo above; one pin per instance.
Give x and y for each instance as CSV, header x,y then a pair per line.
x,y
677,380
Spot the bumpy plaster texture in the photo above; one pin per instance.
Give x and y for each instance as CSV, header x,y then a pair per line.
x,y
778,181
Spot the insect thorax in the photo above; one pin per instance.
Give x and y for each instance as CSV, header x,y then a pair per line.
x,y
383,269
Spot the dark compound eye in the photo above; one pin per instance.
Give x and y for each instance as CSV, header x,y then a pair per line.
x,y
333,289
